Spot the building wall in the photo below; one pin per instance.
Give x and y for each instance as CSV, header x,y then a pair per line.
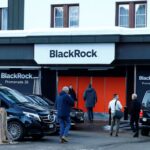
x,y
3,3
148,13
91,14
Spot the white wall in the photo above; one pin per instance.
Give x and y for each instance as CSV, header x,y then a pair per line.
x,y
37,14
3,3
93,13
148,13
96,13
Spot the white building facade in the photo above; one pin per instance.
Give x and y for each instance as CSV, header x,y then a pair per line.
x,y
90,14
61,42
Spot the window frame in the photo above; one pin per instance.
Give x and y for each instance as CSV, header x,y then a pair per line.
x,y
131,12
65,14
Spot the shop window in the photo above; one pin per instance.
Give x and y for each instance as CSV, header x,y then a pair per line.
x,y
64,16
3,18
131,15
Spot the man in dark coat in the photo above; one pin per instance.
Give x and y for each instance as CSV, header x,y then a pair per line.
x,y
72,93
134,112
64,103
90,98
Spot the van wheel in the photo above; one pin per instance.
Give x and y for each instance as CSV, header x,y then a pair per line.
x,y
145,132
15,130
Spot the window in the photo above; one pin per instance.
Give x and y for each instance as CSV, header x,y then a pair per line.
x,y
140,15
58,16
65,16
132,14
3,18
124,15
73,16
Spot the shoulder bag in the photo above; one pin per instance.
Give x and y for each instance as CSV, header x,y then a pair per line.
x,y
118,113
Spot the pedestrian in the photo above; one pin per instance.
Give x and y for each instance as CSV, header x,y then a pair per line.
x,y
64,103
90,98
72,93
114,105
134,114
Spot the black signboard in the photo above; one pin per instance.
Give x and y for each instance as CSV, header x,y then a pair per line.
x,y
21,80
143,81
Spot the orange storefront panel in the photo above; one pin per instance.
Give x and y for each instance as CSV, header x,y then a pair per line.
x,y
98,85
83,83
115,85
66,81
105,88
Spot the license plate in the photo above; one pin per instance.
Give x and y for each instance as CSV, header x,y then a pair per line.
x,y
51,126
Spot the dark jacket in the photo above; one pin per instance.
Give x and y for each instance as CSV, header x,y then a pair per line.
x,y
73,94
90,97
64,103
135,108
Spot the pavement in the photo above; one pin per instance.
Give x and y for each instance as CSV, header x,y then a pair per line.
x,y
86,136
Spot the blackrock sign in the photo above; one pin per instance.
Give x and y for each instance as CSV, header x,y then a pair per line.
x,y
21,80
142,82
74,53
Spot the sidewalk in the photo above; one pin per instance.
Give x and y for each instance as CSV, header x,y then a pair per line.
x,y
100,124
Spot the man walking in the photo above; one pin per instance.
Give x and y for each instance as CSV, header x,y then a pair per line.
x,y
64,103
90,98
134,112
114,105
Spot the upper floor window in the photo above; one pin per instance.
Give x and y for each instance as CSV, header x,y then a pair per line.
x,y
3,18
65,16
132,14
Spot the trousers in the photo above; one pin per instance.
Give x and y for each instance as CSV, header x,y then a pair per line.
x,y
90,113
114,121
65,124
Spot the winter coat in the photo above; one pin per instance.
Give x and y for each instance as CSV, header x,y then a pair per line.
x,y
90,97
73,94
135,108
64,103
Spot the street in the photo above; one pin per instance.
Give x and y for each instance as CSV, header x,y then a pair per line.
x,y
85,137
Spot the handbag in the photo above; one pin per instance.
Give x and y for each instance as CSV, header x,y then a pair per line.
x,y
118,113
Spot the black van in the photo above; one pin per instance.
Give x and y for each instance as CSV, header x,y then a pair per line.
x,y
145,114
24,118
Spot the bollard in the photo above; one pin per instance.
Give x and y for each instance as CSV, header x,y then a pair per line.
x,y
3,125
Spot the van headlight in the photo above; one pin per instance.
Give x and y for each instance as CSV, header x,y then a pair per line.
x,y
32,115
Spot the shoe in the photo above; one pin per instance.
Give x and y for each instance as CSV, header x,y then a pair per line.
x,y
135,135
91,121
62,140
65,139
110,134
116,135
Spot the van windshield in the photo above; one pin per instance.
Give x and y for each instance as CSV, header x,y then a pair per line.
x,y
146,99
13,96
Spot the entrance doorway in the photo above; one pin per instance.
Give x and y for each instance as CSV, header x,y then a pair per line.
x,y
105,88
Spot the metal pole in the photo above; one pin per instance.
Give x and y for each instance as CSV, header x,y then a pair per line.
x,y
135,73
77,88
57,80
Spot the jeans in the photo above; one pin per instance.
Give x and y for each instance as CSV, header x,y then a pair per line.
x,y
64,125
90,113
